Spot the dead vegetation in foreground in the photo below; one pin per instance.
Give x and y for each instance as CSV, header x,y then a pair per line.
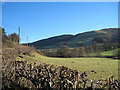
x,y
25,75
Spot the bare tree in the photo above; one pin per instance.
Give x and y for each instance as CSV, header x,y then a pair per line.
x,y
64,51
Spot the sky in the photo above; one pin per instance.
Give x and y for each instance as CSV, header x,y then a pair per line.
x,y
41,20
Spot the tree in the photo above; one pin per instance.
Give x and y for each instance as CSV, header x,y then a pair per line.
x,y
94,45
4,36
105,44
75,52
81,51
14,37
89,50
63,51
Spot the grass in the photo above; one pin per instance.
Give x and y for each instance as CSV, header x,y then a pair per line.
x,y
106,53
109,53
102,67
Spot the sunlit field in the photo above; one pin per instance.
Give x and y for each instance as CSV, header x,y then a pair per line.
x,y
96,68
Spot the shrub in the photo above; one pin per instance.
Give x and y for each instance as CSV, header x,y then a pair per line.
x,y
10,44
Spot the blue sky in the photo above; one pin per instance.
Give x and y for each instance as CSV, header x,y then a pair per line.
x,y
46,19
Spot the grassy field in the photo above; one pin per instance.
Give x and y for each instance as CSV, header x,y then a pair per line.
x,y
97,68
109,53
106,53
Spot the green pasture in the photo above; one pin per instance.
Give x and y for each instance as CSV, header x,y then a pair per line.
x,y
106,53
96,68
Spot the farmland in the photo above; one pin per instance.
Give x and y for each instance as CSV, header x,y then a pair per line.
x,y
107,53
29,69
65,67
96,68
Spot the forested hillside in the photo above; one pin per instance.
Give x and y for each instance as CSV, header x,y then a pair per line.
x,y
109,35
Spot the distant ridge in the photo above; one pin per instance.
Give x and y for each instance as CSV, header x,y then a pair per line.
x,y
81,39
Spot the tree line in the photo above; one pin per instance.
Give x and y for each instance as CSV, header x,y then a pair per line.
x,y
8,40
82,51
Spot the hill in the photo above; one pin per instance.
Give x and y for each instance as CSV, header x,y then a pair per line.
x,y
24,67
81,39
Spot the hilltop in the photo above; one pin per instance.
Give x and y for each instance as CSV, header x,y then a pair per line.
x,y
81,39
